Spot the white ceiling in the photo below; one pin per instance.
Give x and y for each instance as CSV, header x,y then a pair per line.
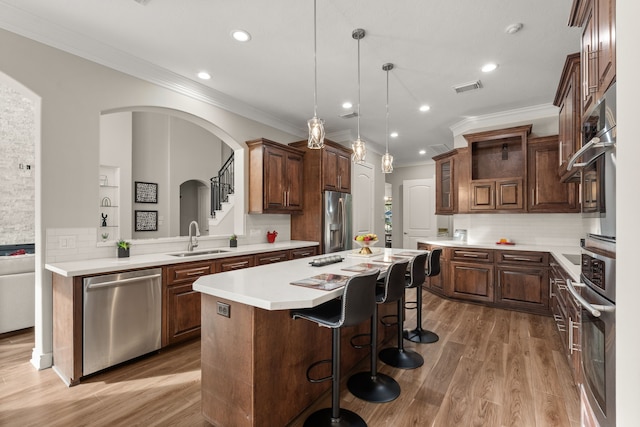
x,y
434,45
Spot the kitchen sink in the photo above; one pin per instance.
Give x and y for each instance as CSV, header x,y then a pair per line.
x,y
196,253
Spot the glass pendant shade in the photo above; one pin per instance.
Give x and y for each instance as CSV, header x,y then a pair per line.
x,y
387,163
316,133
359,151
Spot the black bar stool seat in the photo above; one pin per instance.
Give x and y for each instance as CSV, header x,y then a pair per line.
x,y
430,263
357,304
399,357
372,385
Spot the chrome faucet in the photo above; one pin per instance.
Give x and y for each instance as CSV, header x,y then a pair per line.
x,y
193,240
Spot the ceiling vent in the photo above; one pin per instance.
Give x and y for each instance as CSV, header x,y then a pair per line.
x,y
349,115
466,87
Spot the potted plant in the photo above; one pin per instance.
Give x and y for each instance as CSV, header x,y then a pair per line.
x,y
123,248
233,241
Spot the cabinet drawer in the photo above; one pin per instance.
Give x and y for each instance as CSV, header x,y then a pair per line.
x,y
303,252
523,258
476,255
188,273
271,257
235,263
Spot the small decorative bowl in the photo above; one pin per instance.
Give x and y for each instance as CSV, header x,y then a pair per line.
x,y
365,246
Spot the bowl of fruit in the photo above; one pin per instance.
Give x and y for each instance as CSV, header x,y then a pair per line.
x,y
365,241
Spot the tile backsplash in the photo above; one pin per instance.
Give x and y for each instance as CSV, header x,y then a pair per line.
x,y
533,229
73,244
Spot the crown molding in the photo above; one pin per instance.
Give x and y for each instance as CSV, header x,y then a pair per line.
x,y
33,27
505,117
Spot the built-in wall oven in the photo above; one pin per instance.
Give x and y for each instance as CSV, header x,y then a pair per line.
x,y
596,295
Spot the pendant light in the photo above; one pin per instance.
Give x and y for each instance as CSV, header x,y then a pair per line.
x,y
359,149
387,159
316,125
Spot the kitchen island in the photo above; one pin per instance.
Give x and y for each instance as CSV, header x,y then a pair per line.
x,y
254,356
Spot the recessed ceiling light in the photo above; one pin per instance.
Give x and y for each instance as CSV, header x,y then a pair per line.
x,y
424,108
422,152
347,105
393,134
241,35
513,28
487,68
204,75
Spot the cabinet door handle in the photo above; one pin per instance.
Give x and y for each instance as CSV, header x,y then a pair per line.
x,y
237,264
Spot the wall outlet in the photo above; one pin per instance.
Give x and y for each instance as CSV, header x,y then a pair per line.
x,y
223,309
67,242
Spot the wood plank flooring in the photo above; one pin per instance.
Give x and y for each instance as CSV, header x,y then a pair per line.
x,y
491,367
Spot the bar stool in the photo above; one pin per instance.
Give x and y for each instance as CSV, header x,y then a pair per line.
x,y
358,303
399,357
372,385
430,262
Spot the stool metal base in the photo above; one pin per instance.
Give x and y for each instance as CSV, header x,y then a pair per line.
x,y
421,336
378,389
323,417
403,359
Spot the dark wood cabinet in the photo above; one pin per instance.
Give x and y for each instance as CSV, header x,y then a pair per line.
x,y
446,190
522,280
325,169
303,252
498,165
275,177
470,281
181,304
598,47
271,257
547,193
566,313
336,169
470,274
235,263
568,100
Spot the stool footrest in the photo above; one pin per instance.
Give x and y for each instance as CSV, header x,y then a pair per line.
x,y
410,305
385,322
358,336
313,365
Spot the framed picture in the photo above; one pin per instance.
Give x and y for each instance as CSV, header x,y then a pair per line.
x,y
146,220
146,192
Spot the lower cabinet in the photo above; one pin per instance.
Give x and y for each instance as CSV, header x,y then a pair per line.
x,y
511,279
522,280
470,281
181,304
566,313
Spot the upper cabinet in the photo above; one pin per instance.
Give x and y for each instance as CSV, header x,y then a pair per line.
x,y
336,169
330,166
547,193
446,194
598,47
568,101
498,165
275,177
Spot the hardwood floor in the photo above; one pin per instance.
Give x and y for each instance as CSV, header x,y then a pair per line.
x,y
491,367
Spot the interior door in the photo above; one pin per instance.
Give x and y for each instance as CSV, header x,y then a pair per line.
x,y
418,211
363,199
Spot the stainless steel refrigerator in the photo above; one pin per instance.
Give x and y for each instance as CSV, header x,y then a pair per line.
x,y
337,221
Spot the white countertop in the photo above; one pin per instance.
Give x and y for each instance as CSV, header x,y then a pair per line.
x,y
268,286
106,265
557,252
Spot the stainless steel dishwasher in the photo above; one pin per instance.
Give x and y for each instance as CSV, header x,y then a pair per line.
x,y
122,317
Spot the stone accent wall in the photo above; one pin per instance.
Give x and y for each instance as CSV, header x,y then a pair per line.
x,y
17,158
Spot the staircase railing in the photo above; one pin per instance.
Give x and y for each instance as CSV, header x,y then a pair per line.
x,y
222,185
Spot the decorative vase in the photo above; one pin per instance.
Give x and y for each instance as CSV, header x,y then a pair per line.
x,y
233,243
271,237
123,253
